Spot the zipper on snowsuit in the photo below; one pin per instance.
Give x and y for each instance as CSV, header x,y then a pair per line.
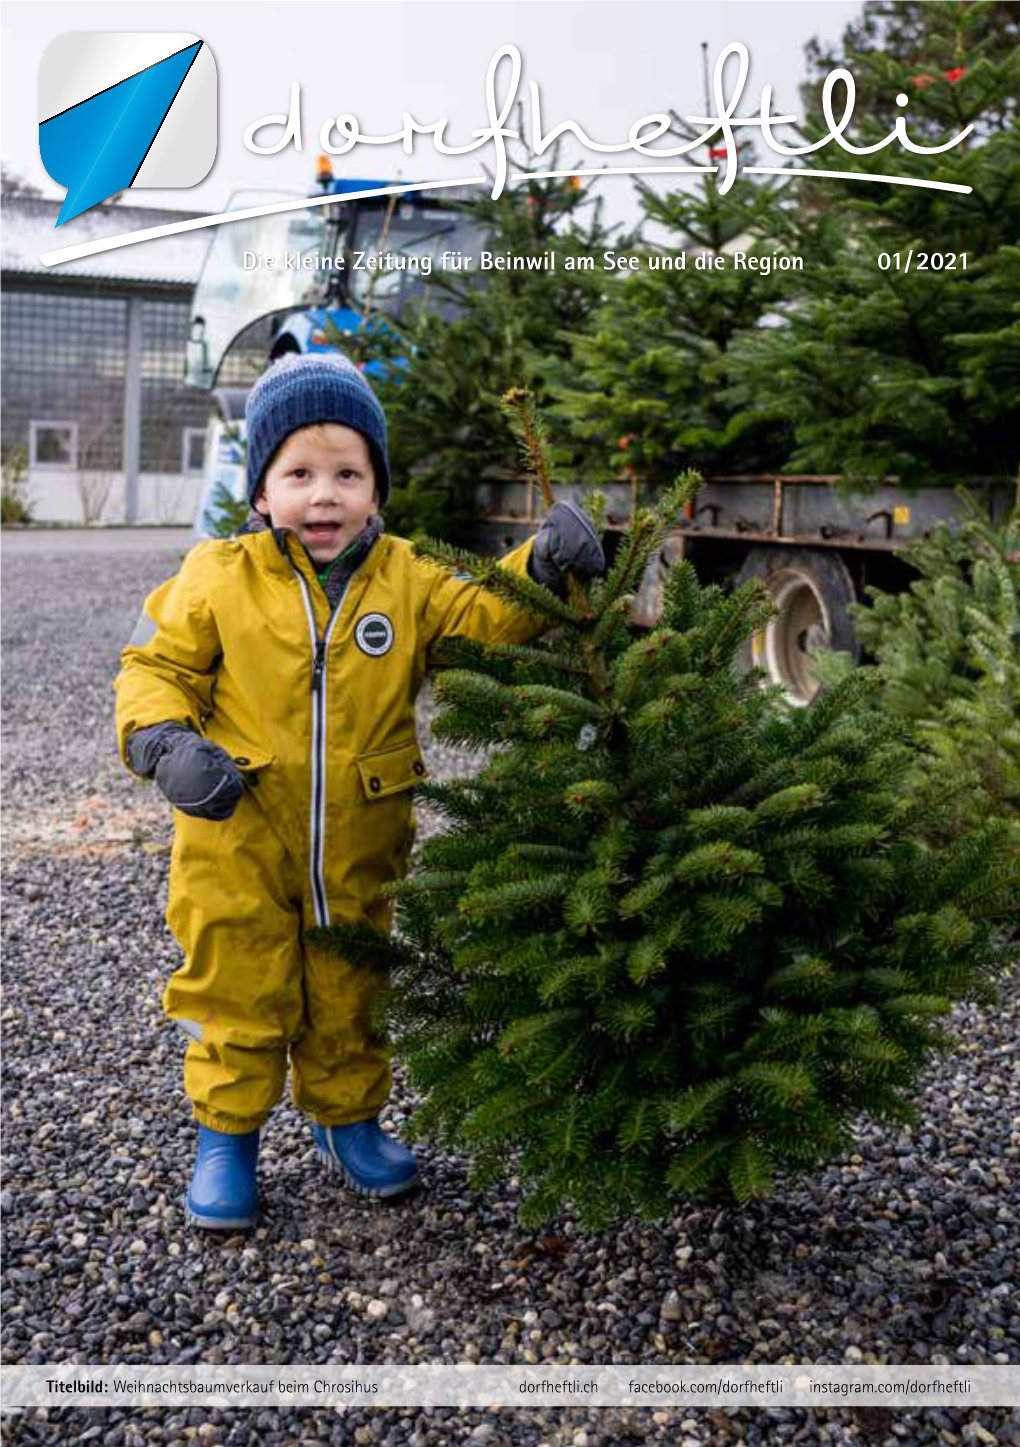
x,y
319,664
317,822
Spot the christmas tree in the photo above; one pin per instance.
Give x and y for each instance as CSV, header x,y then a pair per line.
x,y
948,659
674,940
901,354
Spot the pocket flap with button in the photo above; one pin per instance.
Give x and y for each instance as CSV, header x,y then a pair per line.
x,y
388,770
247,757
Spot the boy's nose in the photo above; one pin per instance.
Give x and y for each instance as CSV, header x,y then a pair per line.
x,y
324,489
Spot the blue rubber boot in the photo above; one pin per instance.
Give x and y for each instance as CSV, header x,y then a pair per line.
x,y
224,1194
370,1161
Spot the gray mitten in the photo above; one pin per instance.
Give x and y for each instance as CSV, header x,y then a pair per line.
x,y
566,542
195,775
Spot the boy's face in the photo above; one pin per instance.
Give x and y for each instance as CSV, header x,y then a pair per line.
x,y
322,485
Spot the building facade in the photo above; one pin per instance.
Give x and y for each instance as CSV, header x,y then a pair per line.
x,y
93,397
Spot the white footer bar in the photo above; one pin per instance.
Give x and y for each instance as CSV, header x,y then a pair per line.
x,y
61,1385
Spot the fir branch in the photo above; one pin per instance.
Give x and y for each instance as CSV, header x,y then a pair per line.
x,y
751,1171
915,1005
591,796
626,1019
514,899
544,658
527,427
639,1127
718,859
547,853
695,1169
487,573
790,1086
569,1131
531,1028
647,959
639,900
504,1115
561,698
697,1108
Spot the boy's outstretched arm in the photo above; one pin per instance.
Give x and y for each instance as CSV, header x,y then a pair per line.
x,y
457,607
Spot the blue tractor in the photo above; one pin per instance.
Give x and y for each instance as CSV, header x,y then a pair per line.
x,y
336,269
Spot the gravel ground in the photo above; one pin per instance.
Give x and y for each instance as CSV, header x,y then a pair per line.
x,y
905,1251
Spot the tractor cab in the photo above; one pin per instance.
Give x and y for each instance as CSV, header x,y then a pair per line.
x,y
310,270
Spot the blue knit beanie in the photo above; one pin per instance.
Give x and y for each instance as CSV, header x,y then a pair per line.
x,y
300,391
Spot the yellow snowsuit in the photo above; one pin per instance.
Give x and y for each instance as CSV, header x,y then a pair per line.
x,y
318,712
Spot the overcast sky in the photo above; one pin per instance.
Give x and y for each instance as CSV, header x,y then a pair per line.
x,y
600,63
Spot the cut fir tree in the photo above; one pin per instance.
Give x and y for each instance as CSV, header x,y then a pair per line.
x,y
673,941
948,648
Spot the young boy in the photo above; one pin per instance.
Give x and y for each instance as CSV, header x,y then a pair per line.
x,y
269,689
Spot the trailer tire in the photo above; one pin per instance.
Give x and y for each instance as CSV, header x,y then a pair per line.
x,y
814,592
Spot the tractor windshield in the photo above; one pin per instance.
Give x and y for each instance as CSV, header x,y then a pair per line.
x,y
237,287
392,256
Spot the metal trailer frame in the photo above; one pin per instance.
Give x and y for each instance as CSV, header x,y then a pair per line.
x,y
807,538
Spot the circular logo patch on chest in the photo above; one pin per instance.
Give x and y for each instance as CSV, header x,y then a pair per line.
x,y
374,634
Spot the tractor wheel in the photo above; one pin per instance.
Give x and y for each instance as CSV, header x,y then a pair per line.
x,y
813,591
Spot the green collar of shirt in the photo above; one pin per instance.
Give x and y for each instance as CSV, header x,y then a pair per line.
x,y
322,571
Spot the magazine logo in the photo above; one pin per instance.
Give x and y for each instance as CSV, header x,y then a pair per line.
x,y
643,132
125,109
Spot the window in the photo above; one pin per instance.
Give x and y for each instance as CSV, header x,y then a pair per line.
x,y
169,409
193,450
64,357
53,444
